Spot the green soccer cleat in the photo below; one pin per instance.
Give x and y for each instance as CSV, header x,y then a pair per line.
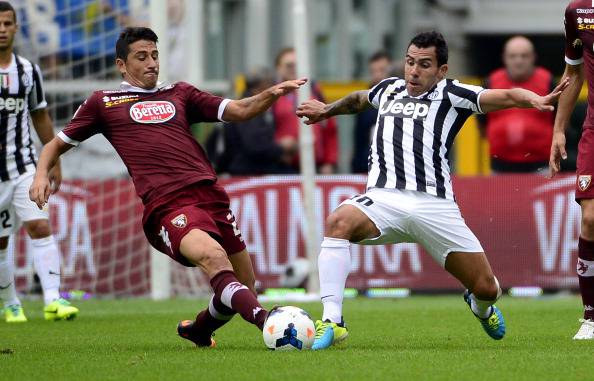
x,y
328,333
14,314
60,309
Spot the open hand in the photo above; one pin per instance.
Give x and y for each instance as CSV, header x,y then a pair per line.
x,y
547,103
286,87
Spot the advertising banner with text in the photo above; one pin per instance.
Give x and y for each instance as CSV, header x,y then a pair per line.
x,y
528,226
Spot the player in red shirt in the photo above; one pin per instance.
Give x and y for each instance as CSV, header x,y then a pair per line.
x,y
186,213
579,58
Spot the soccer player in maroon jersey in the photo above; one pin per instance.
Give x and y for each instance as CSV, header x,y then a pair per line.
x,y
579,58
186,213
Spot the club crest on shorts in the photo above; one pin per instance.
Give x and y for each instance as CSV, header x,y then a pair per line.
x,y
180,221
584,182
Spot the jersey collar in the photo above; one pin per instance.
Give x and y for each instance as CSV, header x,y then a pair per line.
x,y
125,86
12,63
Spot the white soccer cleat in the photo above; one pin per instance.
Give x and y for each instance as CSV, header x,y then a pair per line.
x,y
586,331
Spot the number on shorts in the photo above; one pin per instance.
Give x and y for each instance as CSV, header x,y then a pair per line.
x,y
231,219
5,216
363,200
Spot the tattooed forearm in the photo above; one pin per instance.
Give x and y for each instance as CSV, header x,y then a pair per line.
x,y
351,104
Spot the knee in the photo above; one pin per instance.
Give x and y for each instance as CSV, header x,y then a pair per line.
x,y
38,228
337,226
207,256
486,288
203,251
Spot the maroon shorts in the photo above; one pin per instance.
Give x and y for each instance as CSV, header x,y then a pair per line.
x,y
203,206
585,166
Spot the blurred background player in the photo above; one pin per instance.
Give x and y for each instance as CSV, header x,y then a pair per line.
x,y
250,145
409,195
21,96
519,139
186,213
579,40
378,67
287,123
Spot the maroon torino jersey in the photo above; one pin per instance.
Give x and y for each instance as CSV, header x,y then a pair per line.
x,y
150,130
579,45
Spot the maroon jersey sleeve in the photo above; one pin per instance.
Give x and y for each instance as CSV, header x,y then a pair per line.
x,y
85,122
573,44
202,106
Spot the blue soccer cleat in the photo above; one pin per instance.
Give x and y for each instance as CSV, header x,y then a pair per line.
x,y
328,333
494,325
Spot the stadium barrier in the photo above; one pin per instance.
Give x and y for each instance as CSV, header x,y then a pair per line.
x,y
528,226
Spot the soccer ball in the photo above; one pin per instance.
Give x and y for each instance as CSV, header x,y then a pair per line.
x,y
288,328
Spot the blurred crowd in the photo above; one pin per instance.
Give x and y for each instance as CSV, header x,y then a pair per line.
x,y
83,34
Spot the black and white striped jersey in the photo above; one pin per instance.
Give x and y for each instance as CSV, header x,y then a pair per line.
x,y
413,135
21,91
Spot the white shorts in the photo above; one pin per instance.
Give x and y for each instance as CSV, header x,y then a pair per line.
x,y
410,216
15,205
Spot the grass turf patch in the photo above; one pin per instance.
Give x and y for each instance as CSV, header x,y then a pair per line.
x,y
418,338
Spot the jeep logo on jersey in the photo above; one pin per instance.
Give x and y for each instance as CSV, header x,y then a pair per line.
x,y
406,108
12,105
152,111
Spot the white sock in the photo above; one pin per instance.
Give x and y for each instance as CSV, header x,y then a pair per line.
x,y
334,265
46,260
482,308
7,288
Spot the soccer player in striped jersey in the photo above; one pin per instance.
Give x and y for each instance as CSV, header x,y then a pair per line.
x,y
21,96
409,194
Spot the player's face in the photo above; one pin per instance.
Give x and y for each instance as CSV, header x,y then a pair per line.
x,y
141,68
421,71
8,29
378,70
287,67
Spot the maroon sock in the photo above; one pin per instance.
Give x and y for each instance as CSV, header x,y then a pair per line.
x,y
213,318
238,298
585,270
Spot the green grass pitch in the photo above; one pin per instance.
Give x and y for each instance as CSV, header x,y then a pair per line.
x,y
418,338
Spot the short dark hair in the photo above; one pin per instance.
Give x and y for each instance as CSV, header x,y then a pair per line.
x,y
429,39
379,55
5,6
129,36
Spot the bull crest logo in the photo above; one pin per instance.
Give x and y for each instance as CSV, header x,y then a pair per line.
x,y
180,221
584,182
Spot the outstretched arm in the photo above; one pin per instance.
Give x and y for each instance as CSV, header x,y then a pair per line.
x,y
40,189
499,99
316,111
247,108
575,75
45,130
